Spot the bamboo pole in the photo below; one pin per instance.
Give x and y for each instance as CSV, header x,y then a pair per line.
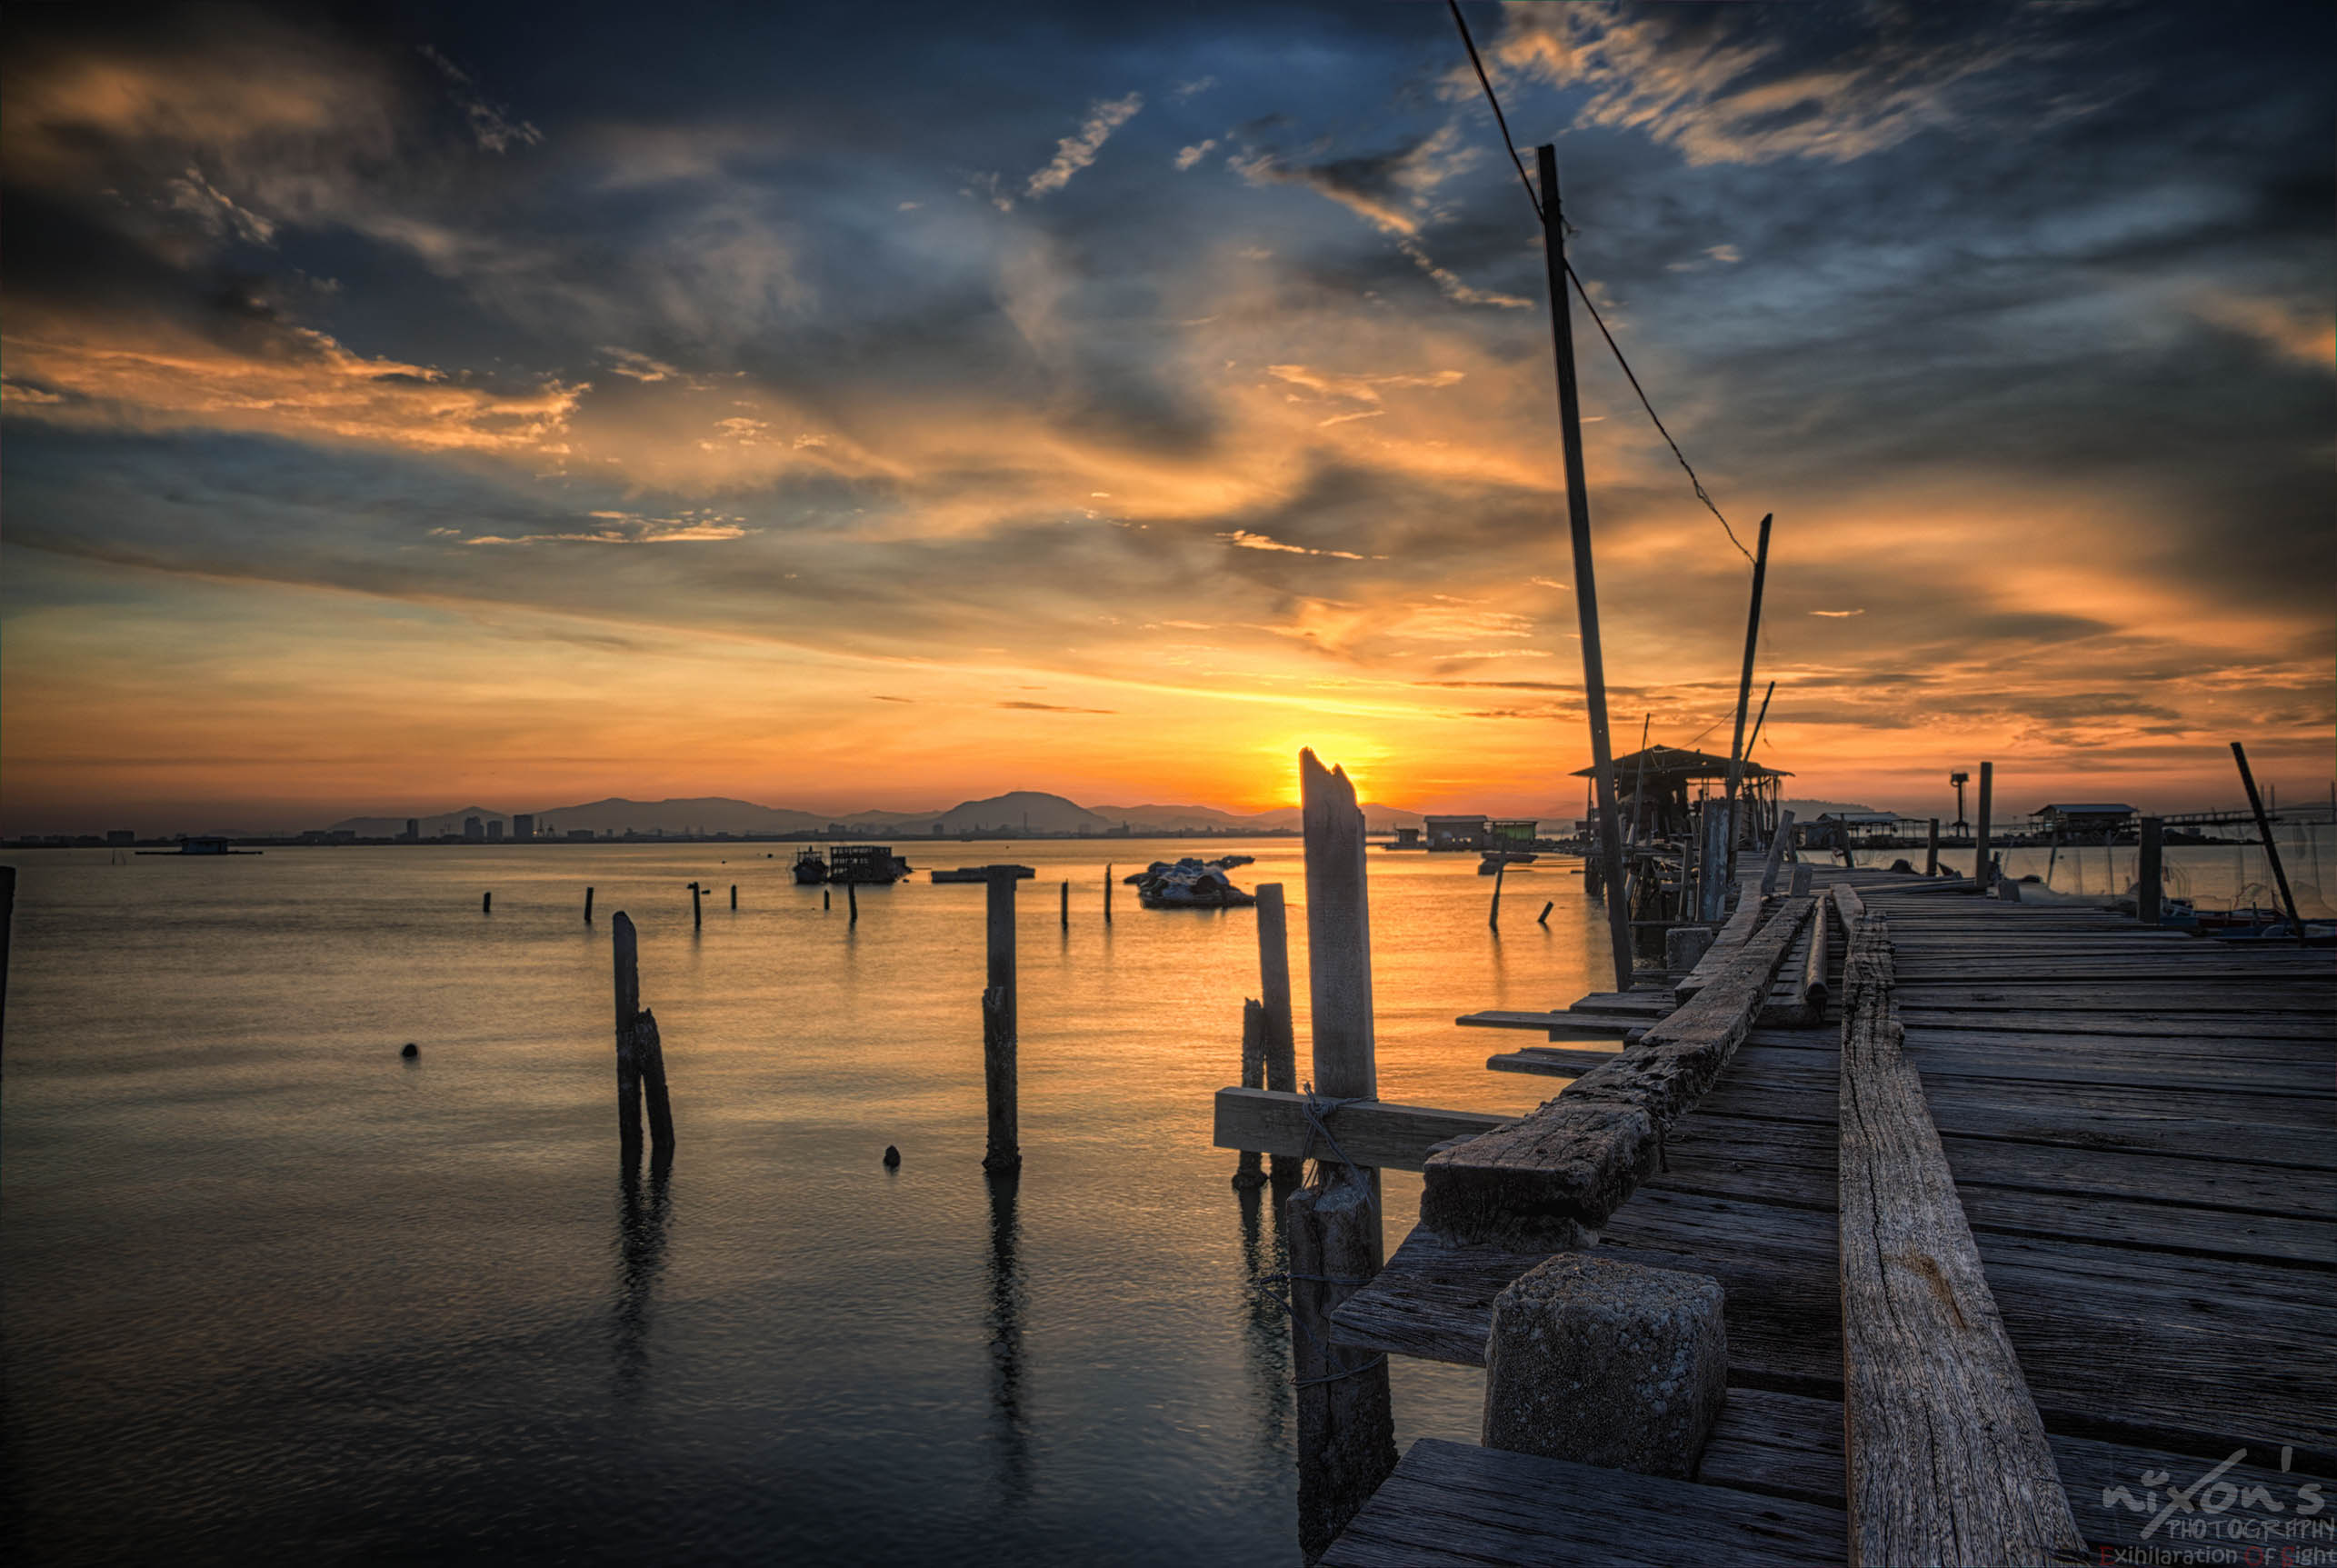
x,y
1586,591
1736,750
2271,850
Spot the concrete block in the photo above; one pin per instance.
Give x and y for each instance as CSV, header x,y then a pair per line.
x,y
1607,1363
1683,946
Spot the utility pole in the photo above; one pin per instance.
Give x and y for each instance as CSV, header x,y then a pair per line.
x,y
1586,593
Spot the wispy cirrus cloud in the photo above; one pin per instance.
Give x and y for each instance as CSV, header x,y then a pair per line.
x,y
1078,150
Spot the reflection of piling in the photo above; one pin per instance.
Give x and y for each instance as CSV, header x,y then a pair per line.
x,y
1249,1173
588,906
641,1262
2148,873
1009,1303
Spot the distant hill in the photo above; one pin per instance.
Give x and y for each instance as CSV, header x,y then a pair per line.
x,y
1017,811
1811,810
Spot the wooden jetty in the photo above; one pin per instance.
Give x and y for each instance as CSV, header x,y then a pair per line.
x,y
2133,1133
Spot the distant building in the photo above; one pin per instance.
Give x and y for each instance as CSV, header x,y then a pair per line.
x,y
2084,821
412,830
1517,834
495,831
121,835
473,830
523,825
584,833
1454,832
1407,838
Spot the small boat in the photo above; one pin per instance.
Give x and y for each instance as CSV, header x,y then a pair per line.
x,y
866,864
1191,883
811,868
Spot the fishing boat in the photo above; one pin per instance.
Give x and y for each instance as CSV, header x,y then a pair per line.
x,y
1191,883
811,868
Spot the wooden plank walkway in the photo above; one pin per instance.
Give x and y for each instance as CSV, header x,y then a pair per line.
x,y
2142,1131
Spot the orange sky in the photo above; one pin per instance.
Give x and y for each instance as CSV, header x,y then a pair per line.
x,y
588,448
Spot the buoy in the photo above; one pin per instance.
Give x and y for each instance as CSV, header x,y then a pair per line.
x,y
411,1051
892,1158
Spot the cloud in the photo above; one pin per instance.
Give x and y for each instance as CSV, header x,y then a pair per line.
x,y
1075,152
192,194
1243,539
1187,157
624,362
627,528
2306,333
1837,614
491,123
1724,89
1360,388
1054,708
1193,89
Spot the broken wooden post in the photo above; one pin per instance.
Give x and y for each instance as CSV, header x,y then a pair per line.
x,y
1338,934
1979,875
1002,1147
588,906
1800,886
1606,1362
649,1059
624,957
1775,860
1543,918
1586,590
2271,850
2149,874
1274,983
1346,1428
1932,850
1495,919
1066,906
1929,1376
1248,1173
1711,863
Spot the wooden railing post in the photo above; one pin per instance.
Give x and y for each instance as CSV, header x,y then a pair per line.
x,y
2148,871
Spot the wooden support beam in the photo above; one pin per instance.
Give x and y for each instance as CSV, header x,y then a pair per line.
x,y
1555,1060
1002,1148
1346,1426
1247,1171
1734,935
1551,1179
1947,1458
1273,979
1770,867
1980,836
2271,850
1373,1133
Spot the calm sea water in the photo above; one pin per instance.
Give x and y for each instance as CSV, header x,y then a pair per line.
x,y
272,1294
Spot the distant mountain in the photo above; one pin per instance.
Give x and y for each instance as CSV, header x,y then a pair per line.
x,y
1811,810
1017,811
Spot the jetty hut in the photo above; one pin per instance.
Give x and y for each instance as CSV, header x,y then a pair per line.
x,y
1656,788
1454,833
2086,823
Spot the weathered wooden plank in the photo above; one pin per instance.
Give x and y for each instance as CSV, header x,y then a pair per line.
x,y
1726,943
1549,1060
1947,1458
1557,1173
2259,1028
1783,1444
1371,1132
1558,1025
2159,997
1450,1504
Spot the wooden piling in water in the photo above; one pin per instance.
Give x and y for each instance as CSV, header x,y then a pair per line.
x,y
1980,877
1543,918
2149,876
1066,905
649,1059
487,903
1346,1428
1003,1148
852,902
733,895
588,906
696,917
1274,982
1932,850
1494,918
825,894
7,929
1250,1172
1107,895
1338,934
624,960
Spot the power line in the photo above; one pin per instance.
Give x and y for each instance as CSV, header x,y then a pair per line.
x,y
1493,99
